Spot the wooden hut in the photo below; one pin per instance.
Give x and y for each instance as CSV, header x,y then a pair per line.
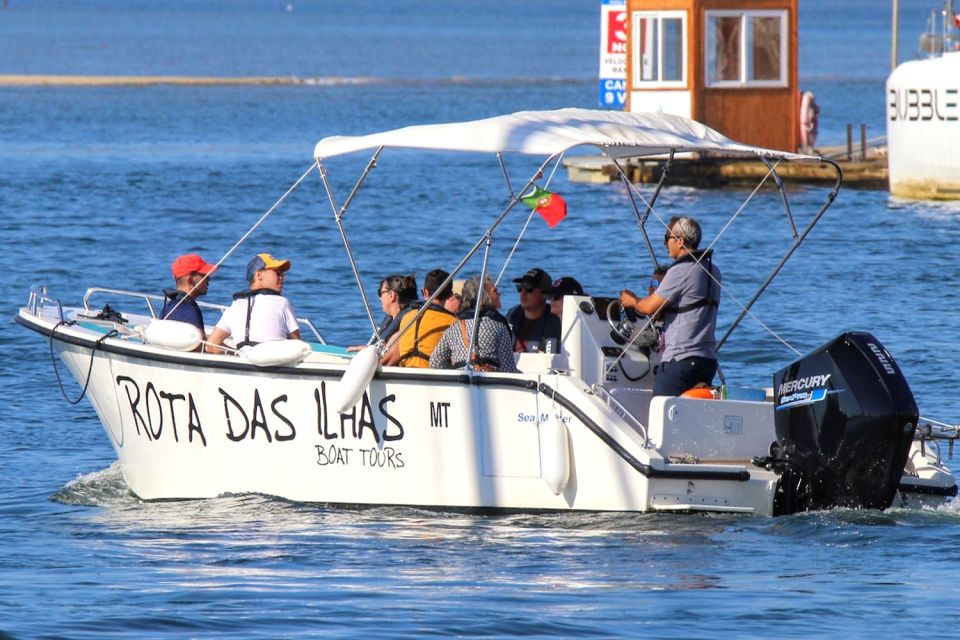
x,y
730,64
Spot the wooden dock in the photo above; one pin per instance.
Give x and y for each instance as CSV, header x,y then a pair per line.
x,y
861,173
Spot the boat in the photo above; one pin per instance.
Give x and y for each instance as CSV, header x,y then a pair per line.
x,y
923,115
575,429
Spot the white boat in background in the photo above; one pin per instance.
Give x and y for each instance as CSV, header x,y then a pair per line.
x,y
923,115
578,429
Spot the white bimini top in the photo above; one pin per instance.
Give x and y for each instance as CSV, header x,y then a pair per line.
x,y
545,133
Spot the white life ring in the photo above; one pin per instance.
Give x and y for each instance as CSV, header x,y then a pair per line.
x,y
809,121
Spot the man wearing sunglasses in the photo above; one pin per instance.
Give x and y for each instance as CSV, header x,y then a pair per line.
x,y
260,313
686,298
534,327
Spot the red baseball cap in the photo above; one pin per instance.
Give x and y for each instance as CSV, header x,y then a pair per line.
x,y
190,263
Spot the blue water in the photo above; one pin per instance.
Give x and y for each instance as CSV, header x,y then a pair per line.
x,y
104,186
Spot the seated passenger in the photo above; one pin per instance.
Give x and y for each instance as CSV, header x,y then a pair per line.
x,y
191,273
534,327
397,294
455,301
565,286
494,349
260,313
414,346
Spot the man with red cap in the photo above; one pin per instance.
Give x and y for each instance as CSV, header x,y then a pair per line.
x,y
192,276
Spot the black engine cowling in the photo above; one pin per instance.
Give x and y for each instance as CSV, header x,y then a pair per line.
x,y
845,418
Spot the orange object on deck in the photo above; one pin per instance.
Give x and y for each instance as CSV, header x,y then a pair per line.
x,y
703,393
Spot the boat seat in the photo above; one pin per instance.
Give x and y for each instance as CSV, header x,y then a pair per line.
x,y
710,429
104,327
328,353
538,362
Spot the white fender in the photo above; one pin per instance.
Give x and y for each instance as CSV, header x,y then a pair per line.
x,y
173,334
554,454
356,378
276,352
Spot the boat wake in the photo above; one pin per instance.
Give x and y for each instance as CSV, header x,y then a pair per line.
x,y
107,488
97,489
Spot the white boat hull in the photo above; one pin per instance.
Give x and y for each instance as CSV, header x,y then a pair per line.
x,y
923,128
199,426
189,425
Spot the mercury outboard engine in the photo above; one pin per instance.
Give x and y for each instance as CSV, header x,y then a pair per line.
x,y
845,418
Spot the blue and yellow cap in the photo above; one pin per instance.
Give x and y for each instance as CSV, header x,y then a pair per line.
x,y
263,261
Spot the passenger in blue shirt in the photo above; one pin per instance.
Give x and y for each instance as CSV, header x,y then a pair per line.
x,y
192,276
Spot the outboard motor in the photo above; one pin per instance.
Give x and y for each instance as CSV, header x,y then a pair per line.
x,y
845,418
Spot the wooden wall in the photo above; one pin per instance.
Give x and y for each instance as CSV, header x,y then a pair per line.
x,y
765,117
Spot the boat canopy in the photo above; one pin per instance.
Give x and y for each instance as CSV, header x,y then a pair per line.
x,y
547,133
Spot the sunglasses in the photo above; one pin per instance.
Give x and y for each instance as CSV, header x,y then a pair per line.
x,y
653,284
521,288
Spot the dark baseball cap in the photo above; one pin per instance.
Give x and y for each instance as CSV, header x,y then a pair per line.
x,y
567,286
536,279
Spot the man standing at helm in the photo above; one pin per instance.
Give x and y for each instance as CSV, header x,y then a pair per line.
x,y
687,300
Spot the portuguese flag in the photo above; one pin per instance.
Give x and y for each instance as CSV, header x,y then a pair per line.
x,y
550,206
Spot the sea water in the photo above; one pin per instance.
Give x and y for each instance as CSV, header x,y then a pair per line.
x,y
103,186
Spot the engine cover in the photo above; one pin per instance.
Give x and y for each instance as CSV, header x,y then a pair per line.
x,y
845,418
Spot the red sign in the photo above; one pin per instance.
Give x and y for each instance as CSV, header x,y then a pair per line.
x,y
617,32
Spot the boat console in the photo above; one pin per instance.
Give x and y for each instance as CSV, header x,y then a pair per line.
x,y
596,355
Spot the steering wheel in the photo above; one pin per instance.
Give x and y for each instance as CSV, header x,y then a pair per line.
x,y
625,322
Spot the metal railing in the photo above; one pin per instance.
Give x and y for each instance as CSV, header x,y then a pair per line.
x,y
149,299
39,299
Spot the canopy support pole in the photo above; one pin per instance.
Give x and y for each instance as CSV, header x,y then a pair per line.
x,y
363,177
783,194
506,174
523,230
789,253
642,219
488,240
338,214
481,292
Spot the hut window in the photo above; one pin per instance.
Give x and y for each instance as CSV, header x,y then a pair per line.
x,y
746,48
659,49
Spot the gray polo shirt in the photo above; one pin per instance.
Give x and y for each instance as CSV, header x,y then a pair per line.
x,y
692,332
